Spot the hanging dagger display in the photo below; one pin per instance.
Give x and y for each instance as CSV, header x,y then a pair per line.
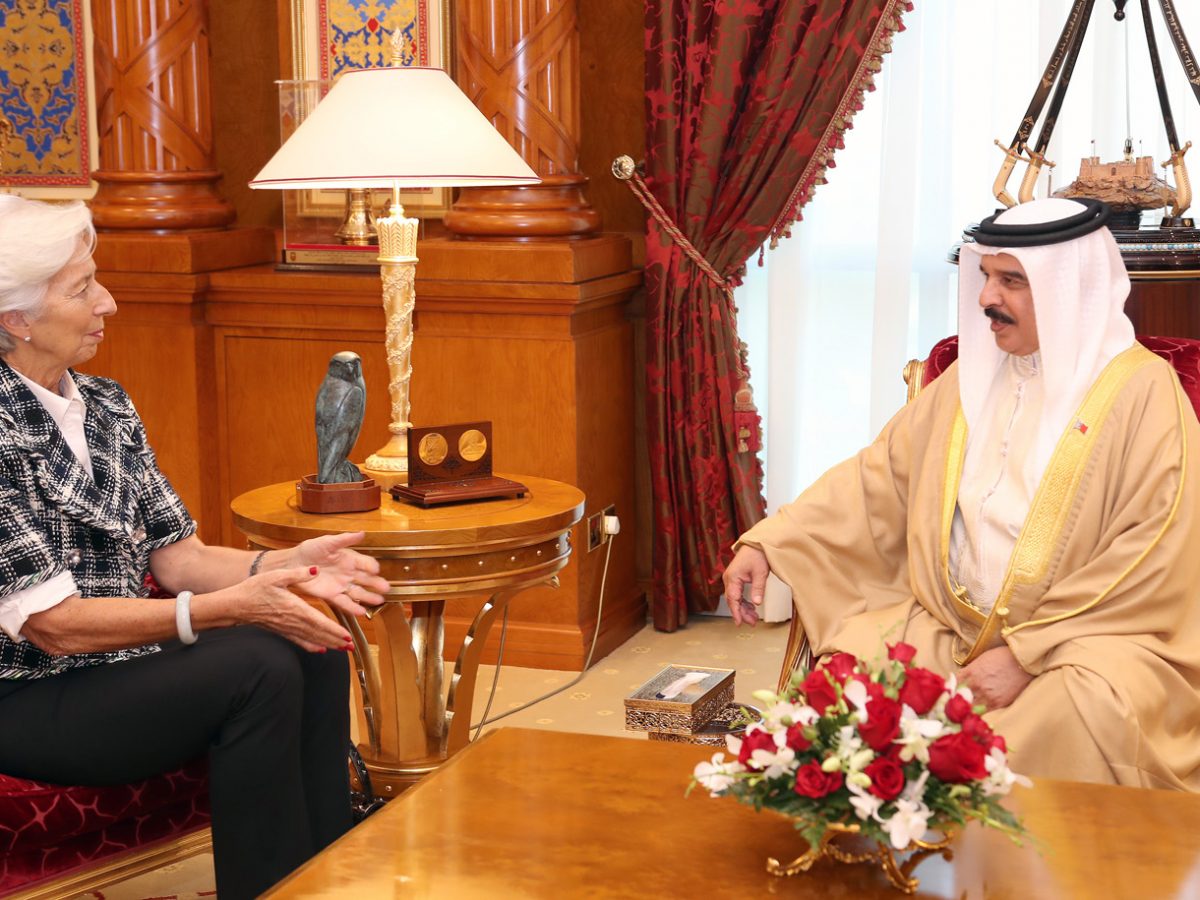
x,y
1057,76
1013,153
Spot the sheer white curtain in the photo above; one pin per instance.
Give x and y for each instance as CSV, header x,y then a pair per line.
x,y
864,285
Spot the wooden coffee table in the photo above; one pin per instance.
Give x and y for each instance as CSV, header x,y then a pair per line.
x,y
527,813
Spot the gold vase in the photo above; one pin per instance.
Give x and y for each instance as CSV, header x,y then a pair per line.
x,y
845,844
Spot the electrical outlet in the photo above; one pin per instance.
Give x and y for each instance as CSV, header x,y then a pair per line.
x,y
610,510
595,533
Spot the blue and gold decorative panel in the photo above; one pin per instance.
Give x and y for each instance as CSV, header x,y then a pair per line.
x,y
43,92
357,34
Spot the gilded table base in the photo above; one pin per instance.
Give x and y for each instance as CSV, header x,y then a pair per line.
x,y
414,720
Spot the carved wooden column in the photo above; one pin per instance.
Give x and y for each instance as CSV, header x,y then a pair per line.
x,y
157,168
519,63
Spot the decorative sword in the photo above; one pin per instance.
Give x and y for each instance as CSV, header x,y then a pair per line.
x,y
1183,186
1037,156
1179,39
1012,154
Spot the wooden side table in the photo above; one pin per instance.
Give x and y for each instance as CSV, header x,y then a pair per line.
x,y
496,547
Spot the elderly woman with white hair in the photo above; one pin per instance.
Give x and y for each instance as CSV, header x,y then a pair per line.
x,y
101,684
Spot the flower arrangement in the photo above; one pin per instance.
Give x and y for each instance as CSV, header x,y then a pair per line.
x,y
893,749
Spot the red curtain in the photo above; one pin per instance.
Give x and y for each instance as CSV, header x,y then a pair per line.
x,y
746,101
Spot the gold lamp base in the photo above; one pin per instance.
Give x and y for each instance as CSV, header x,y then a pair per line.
x,y
389,464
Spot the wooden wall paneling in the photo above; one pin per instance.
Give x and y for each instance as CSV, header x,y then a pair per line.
x,y
248,37
268,381
1165,307
159,349
613,109
534,338
573,422
271,351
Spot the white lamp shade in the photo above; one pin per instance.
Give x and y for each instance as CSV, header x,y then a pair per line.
x,y
394,127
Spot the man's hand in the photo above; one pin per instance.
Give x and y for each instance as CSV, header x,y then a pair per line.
x,y
748,565
995,678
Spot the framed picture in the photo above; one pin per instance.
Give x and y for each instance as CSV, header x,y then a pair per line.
x,y
330,37
47,103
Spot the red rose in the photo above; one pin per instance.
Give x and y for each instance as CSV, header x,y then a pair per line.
x,y
819,690
957,708
998,741
956,758
974,727
812,781
883,723
887,778
841,666
755,740
902,652
921,689
796,739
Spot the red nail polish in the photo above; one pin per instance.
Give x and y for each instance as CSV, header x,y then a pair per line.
x,y
312,570
320,649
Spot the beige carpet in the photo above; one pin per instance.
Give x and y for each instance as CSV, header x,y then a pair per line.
x,y
593,706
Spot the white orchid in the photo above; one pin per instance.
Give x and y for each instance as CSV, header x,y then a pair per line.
x,y
866,805
784,713
733,744
773,765
858,779
1000,777
909,822
847,743
914,791
860,760
916,734
856,693
718,776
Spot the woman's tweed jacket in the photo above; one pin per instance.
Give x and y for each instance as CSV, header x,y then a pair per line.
x,y
54,518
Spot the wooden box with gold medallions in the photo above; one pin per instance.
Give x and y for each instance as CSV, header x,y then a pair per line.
x,y
452,463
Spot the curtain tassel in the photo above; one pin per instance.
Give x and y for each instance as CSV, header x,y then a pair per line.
x,y
746,421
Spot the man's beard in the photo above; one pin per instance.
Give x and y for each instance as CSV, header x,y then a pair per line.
x,y
996,316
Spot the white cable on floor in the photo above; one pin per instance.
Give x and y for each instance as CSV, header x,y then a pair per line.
x,y
500,657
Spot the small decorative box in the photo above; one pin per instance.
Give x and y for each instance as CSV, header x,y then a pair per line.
x,y
730,720
679,700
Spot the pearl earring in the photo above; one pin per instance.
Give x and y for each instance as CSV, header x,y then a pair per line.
x,y
28,338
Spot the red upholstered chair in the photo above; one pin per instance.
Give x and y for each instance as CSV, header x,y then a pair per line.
x,y
1182,353
60,841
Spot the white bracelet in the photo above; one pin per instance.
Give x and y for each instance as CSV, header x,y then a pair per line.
x,y
183,617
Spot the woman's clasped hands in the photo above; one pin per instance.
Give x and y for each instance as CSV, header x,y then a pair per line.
x,y
321,568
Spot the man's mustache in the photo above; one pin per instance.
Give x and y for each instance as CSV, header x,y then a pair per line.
x,y
992,313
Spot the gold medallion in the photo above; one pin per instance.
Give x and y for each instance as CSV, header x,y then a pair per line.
x,y
433,449
472,445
